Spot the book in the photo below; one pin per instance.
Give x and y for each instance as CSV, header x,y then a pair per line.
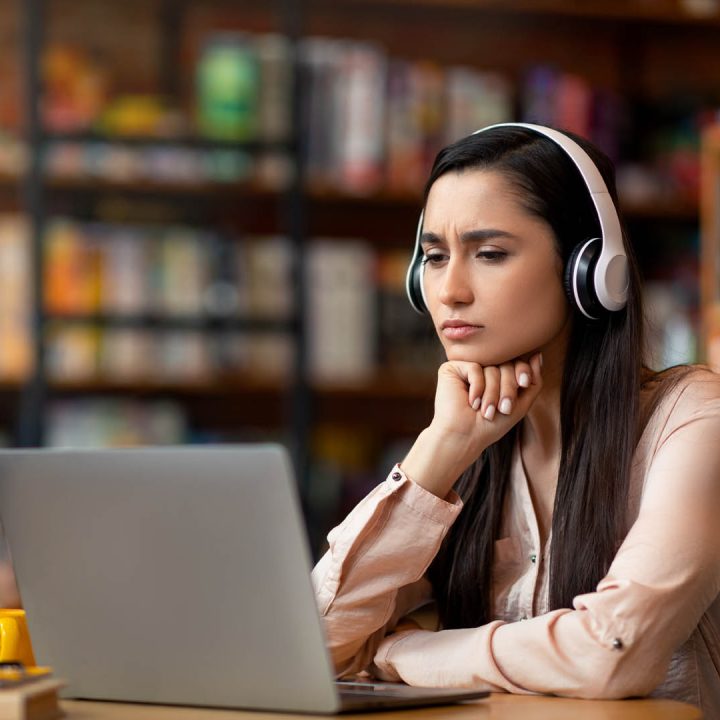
x,y
181,272
264,270
126,354
33,700
475,99
360,102
124,263
71,282
341,311
72,352
15,298
405,163
275,54
319,58
265,283
228,78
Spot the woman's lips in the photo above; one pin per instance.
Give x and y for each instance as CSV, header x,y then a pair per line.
x,y
460,332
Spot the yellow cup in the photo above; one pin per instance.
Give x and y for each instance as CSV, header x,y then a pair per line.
x,y
15,643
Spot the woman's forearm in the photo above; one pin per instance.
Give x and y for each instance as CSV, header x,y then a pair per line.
x,y
373,572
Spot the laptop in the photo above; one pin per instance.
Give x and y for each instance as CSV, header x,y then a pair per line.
x,y
176,576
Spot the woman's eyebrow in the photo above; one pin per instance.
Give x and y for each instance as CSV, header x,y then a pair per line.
x,y
428,238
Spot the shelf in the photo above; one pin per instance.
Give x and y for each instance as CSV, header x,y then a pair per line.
x,y
632,11
226,387
662,209
169,322
151,187
185,142
92,185
319,194
382,387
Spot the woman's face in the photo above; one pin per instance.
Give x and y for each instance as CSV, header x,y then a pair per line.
x,y
493,277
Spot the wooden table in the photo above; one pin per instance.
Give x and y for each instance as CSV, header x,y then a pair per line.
x,y
498,706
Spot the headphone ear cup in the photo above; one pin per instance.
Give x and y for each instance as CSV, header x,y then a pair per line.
x,y
414,285
579,278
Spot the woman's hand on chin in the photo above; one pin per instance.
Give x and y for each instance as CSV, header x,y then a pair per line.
x,y
474,407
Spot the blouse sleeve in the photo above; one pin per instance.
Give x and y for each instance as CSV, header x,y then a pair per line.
x,y
373,572
617,641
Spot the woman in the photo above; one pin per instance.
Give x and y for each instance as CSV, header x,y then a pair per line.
x,y
562,509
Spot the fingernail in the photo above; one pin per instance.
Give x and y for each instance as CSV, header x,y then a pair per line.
x,y
476,403
524,380
505,406
489,412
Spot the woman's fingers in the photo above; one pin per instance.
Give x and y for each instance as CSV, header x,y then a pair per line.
x,y
506,383
470,375
528,395
523,373
476,381
494,389
508,388
491,396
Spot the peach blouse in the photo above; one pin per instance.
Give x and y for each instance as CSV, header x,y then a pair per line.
x,y
652,626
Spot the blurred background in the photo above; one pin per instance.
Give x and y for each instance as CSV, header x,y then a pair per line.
x,y
207,206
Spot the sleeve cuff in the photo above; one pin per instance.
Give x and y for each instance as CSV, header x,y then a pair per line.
x,y
423,501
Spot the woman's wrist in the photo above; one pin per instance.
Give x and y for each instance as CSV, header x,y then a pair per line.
x,y
437,459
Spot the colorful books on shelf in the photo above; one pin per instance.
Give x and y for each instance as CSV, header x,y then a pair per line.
x,y
168,166
162,274
370,121
568,101
357,317
355,311
112,422
377,122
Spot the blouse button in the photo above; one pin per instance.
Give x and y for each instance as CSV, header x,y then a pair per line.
x,y
396,476
533,558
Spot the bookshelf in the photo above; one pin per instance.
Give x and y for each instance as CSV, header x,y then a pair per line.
x,y
226,147
653,62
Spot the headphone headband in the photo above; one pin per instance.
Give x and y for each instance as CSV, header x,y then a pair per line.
x,y
609,279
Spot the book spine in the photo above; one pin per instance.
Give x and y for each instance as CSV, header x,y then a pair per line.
x,y
15,298
342,329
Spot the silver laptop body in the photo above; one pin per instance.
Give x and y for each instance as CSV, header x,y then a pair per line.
x,y
175,575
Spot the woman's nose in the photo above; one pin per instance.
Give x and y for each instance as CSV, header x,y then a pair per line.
x,y
455,288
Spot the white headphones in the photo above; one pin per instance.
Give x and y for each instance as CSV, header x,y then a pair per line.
x,y
596,275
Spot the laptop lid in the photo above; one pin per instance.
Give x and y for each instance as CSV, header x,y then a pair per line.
x,y
168,575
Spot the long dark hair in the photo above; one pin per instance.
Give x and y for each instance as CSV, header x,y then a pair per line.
x,y
599,406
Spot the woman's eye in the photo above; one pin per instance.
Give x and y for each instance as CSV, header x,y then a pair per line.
x,y
433,259
492,255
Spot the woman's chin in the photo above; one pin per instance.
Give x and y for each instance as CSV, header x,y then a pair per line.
x,y
485,359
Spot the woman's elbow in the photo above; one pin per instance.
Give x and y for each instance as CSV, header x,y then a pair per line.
x,y
351,655
620,676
